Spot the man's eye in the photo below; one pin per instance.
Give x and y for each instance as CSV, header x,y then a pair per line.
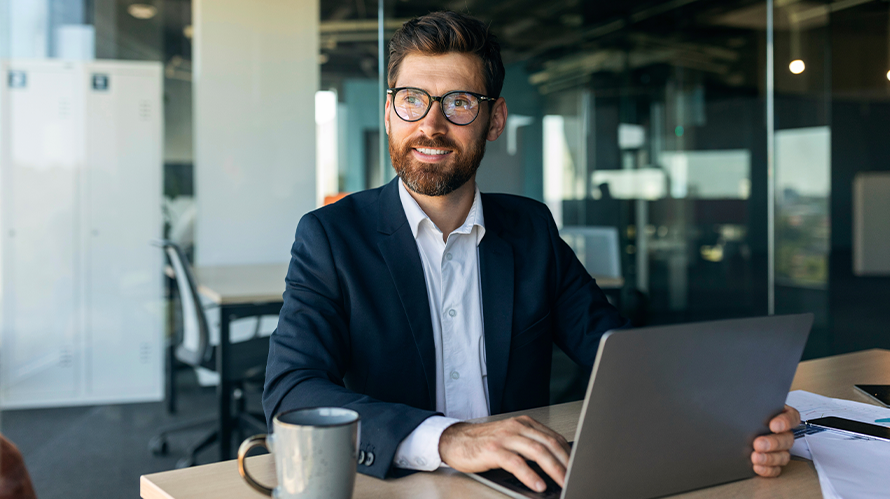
x,y
414,101
460,103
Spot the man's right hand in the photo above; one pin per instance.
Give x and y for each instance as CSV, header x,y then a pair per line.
x,y
473,448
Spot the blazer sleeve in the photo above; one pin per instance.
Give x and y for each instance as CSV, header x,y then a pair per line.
x,y
309,353
582,314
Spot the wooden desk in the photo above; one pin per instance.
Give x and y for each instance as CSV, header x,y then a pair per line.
x,y
832,376
240,291
229,284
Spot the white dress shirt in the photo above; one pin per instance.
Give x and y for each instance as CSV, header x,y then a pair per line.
x,y
454,289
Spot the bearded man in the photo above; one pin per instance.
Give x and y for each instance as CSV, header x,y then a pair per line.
x,y
424,303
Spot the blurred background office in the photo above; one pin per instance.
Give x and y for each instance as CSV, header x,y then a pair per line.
x,y
706,159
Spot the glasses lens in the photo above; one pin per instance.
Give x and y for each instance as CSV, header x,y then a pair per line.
x,y
460,107
411,104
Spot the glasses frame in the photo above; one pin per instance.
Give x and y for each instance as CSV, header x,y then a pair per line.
x,y
433,98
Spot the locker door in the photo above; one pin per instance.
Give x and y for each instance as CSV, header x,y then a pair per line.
x,y
124,136
42,152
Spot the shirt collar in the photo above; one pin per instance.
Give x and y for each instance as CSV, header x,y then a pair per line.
x,y
415,214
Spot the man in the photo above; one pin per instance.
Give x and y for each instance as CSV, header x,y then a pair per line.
x,y
423,303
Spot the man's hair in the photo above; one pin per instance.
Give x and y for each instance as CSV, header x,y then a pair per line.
x,y
441,33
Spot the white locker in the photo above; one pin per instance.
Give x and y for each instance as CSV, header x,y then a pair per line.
x,y
80,196
42,156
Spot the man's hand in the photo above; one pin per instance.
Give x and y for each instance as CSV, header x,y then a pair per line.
x,y
506,444
771,451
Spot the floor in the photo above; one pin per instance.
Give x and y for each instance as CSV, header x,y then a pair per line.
x,y
100,451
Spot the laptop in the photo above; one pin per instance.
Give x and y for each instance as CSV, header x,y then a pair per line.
x,y
675,408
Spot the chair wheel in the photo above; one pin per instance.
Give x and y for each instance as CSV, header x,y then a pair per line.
x,y
186,462
158,446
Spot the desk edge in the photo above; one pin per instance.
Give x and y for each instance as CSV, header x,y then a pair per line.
x,y
150,490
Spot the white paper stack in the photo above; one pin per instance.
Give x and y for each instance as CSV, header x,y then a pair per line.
x,y
849,467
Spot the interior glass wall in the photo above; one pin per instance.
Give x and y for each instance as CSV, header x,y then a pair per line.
x,y
651,121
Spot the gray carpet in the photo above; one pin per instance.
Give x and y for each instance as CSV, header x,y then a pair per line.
x,y
100,451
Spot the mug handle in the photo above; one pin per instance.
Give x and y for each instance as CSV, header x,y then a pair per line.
x,y
250,443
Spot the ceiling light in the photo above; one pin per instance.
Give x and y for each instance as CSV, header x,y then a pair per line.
x,y
888,75
142,10
188,31
797,66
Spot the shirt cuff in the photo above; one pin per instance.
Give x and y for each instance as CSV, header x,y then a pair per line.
x,y
420,449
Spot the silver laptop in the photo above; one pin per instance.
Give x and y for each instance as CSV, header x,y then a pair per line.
x,y
675,408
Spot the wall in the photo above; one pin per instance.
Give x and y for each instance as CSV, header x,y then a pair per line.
x,y
361,98
520,170
255,77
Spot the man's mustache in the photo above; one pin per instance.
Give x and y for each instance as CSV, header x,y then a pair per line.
x,y
433,143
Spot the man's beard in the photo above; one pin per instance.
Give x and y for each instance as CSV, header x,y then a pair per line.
x,y
436,179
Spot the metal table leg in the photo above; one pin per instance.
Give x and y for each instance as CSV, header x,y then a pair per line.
x,y
224,389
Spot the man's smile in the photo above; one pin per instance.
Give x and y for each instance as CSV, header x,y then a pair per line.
x,y
426,150
429,154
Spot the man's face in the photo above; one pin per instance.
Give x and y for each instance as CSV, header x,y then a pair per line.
x,y
433,156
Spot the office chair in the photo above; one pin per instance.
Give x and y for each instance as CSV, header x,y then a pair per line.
x,y
191,346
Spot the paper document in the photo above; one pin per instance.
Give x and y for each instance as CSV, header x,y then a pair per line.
x,y
812,406
850,468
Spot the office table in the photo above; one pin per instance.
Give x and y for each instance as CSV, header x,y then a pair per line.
x,y
831,376
240,291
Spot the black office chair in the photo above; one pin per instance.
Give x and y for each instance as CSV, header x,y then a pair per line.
x,y
190,346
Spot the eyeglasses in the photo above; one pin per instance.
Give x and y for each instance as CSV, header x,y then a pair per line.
x,y
459,107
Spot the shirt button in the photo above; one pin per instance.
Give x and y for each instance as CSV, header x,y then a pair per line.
x,y
452,312
455,375
421,461
403,463
448,256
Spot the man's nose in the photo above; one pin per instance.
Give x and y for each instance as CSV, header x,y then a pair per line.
x,y
434,123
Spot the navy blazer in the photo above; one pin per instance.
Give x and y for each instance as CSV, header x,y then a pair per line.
x,y
355,328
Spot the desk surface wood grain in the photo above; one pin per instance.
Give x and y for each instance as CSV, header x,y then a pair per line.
x,y
832,376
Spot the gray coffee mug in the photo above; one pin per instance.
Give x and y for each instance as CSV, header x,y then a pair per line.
x,y
315,451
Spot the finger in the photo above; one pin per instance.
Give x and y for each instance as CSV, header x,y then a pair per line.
x,y
554,445
770,458
549,438
515,464
776,442
767,471
795,415
541,454
785,421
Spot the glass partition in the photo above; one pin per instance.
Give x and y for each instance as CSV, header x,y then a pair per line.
x,y
649,120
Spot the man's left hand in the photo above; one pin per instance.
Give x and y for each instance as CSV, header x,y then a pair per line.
x,y
771,451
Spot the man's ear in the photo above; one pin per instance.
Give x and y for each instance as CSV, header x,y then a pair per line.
x,y
498,119
386,115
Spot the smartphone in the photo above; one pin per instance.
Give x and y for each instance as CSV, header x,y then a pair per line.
x,y
878,393
850,426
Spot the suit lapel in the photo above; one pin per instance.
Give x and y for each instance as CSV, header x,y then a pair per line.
x,y
496,272
399,250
